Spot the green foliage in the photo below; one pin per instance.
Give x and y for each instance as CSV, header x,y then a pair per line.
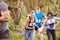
x,y
23,18
22,22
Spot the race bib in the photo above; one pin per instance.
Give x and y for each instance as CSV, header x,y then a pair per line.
x,y
38,20
51,25
51,21
30,24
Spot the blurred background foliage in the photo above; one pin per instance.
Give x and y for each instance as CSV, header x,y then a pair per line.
x,y
19,10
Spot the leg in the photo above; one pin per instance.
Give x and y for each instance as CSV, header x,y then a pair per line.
x,y
53,35
41,34
26,34
32,34
48,34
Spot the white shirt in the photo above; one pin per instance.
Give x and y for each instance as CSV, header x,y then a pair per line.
x,y
50,23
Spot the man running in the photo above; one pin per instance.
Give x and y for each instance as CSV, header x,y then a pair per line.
x,y
4,18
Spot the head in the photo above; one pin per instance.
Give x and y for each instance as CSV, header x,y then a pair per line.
x,y
50,15
38,9
32,13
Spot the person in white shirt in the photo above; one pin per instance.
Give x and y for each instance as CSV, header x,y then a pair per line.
x,y
50,22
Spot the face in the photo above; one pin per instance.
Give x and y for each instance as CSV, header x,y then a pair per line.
x,y
38,9
32,13
49,16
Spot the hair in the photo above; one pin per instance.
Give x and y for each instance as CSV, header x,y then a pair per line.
x,y
40,6
50,13
32,9
55,14
36,7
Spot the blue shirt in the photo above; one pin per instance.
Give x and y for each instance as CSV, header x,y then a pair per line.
x,y
38,18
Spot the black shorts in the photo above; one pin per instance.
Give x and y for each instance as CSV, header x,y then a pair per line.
x,y
4,35
36,28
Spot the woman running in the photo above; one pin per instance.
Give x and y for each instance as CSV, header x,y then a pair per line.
x,y
30,29
50,21
38,21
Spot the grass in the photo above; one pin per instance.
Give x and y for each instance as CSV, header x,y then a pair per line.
x,y
14,33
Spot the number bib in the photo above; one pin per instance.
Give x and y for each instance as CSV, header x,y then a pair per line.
x,y
38,20
51,25
30,24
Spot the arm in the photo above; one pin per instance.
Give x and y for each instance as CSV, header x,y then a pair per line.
x,y
5,16
57,18
44,15
44,23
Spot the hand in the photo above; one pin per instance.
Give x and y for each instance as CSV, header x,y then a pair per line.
x,y
41,31
33,28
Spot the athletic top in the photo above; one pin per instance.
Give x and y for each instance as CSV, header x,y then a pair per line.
x,y
50,23
30,24
38,18
3,8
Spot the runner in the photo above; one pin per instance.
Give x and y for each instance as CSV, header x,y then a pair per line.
x,y
38,21
50,21
4,18
30,29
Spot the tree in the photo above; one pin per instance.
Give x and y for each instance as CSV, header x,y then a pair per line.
x,y
16,10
